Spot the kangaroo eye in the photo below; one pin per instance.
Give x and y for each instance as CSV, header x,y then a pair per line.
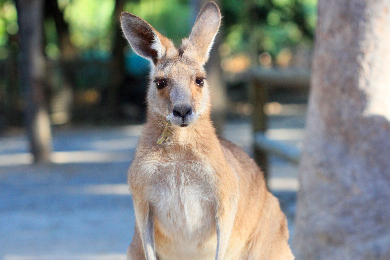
x,y
199,82
160,83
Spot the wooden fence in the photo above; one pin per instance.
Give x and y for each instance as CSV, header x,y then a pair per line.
x,y
261,81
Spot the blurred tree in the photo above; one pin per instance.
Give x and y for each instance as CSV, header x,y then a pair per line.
x,y
8,25
170,17
343,204
52,11
118,58
90,25
13,92
32,68
272,25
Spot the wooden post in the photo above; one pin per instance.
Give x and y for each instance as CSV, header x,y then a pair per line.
x,y
258,96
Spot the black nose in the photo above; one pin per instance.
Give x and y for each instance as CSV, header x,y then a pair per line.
x,y
182,110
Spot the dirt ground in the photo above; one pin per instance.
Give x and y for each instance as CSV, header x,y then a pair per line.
x,y
79,208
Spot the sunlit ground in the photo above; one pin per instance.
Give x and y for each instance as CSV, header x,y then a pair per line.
x,y
80,208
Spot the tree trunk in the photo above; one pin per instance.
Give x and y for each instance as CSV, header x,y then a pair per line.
x,y
343,207
32,68
118,59
13,93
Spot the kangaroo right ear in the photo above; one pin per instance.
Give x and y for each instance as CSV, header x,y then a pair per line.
x,y
203,32
143,38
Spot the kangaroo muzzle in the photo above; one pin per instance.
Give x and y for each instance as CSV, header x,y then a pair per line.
x,y
182,112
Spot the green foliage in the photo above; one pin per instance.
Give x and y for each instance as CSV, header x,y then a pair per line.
x,y
272,24
170,17
51,48
89,23
8,25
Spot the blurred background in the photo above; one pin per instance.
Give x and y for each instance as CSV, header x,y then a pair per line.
x,y
93,77
73,202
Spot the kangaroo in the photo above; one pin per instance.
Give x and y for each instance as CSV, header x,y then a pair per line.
x,y
195,196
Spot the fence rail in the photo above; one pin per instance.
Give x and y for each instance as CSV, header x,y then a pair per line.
x,y
260,82
289,152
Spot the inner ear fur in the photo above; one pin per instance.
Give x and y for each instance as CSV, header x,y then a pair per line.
x,y
203,33
143,38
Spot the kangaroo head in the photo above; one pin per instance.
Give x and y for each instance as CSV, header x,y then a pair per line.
x,y
178,89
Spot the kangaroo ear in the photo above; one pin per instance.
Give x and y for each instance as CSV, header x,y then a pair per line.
x,y
203,32
143,38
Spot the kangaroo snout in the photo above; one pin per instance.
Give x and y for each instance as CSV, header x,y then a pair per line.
x,y
182,112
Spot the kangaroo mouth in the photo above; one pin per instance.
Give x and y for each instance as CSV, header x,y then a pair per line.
x,y
181,122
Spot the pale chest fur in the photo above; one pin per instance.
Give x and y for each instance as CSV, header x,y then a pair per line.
x,y
180,193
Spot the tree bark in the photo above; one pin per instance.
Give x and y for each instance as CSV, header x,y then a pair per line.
x,y
32,68
343,207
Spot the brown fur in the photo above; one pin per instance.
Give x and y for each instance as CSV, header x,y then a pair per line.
x,y
195,196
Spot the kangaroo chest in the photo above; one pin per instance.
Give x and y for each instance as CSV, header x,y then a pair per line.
x,y
181,196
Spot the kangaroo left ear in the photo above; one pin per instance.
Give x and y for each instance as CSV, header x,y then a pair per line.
x,y
143,38
203,32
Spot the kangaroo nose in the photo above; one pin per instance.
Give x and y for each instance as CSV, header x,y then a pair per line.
x,y
182,110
